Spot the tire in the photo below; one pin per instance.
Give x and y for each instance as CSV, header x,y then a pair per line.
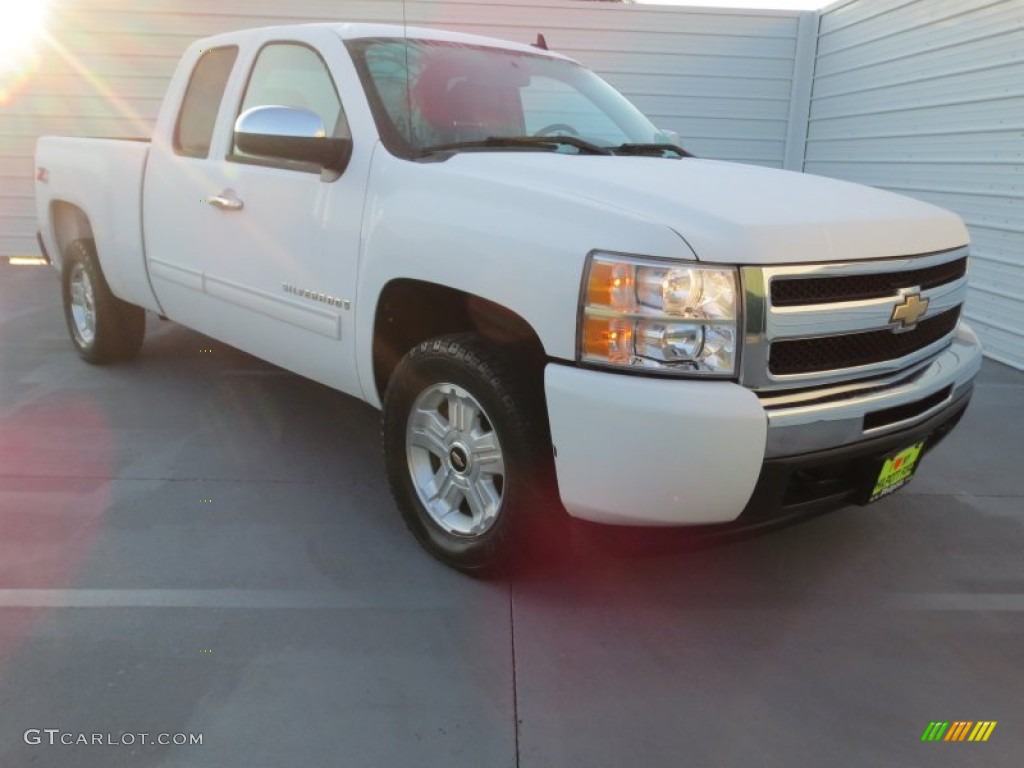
x,y
103,328
468,455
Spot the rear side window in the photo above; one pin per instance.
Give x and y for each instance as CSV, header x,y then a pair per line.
x,y
194,131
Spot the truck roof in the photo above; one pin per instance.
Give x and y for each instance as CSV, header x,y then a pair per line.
x,y
355,31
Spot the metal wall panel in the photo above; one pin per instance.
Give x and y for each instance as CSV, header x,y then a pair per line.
x,y
926,98
721,78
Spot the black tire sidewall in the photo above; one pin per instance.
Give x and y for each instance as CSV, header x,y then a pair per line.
x,y
462,362
119,327
80,253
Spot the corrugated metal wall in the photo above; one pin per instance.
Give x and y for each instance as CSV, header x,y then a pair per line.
x,y
926,97
723,79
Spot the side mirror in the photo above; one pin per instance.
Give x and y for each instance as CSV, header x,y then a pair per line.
x,y
290,133
672,136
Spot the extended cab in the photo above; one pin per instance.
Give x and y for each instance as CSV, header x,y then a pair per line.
x,y
548,300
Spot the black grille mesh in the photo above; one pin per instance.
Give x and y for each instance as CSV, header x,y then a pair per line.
x,y
853,349
788,292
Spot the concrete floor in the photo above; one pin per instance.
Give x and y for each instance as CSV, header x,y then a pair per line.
x,y
200,543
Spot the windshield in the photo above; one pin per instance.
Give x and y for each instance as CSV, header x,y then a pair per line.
x,y
427,94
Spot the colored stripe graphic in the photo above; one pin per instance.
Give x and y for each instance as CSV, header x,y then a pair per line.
x,y
983,730
959,730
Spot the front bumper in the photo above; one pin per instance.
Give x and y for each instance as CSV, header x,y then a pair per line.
x,y
631,450
829,479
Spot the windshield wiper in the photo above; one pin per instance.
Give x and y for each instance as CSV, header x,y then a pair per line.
x,y
542,143
654,150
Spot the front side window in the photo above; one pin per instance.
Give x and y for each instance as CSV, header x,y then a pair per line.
x,y
292,75
193,132
428,93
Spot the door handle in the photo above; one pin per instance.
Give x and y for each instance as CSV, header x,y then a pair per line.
x,y
227,201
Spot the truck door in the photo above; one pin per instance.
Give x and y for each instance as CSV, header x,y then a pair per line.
x,y
258,253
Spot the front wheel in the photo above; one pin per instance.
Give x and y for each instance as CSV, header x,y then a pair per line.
x,y
467,456
103,328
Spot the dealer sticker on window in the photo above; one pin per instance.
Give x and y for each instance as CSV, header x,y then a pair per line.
x,y
896,471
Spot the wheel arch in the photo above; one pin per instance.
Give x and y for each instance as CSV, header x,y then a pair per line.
x,y
68,223
410,311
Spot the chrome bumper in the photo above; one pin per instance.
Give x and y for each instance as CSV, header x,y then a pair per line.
x,y
832,417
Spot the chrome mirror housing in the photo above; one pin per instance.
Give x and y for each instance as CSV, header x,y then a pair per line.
x,y
291,133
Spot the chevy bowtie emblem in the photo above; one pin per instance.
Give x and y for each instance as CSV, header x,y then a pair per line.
x,y
909,311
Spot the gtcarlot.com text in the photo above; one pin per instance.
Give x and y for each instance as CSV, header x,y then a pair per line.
x,y
56,737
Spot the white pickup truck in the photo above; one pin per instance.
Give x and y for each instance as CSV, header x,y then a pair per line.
x,y
549,301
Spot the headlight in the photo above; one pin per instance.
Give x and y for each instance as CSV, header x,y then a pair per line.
x,y
664,317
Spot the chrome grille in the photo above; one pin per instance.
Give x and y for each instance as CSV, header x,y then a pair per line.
x,y
825,290
828,353
800,332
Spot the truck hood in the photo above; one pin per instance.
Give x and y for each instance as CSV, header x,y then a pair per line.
x,y
732,213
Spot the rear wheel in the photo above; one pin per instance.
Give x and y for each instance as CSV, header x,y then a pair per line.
x,y
103,328
467,456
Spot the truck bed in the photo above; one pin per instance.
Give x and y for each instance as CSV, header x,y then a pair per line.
x,y
98,181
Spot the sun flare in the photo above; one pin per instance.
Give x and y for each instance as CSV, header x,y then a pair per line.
x,y
22,23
